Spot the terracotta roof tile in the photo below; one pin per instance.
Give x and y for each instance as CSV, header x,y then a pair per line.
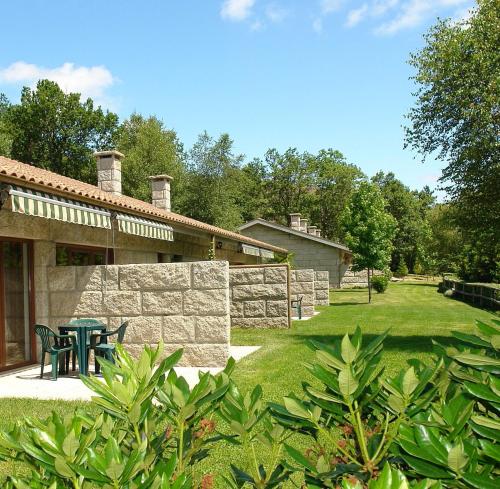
x,y
23,174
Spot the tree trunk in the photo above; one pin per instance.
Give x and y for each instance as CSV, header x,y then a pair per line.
x,y
369,286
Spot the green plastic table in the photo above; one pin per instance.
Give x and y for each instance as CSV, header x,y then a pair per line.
x,y
82,328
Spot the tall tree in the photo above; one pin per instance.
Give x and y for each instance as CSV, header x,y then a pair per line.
x,y
254,198
150,149
5,135
334,182
409,210
457,117
214,179
369,230
58,131
289,184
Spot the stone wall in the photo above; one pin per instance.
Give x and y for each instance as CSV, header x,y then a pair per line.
x,y
354,279
302,285
307,253
321,288
259,296
185,304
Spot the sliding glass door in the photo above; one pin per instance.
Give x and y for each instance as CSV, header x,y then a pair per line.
x,y
16,310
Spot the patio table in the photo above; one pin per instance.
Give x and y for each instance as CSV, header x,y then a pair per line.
x,y
82,328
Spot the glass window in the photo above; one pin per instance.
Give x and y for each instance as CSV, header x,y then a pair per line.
x,y
69,255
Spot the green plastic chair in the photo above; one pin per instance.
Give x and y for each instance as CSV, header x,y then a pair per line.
x,y
54,344
104,349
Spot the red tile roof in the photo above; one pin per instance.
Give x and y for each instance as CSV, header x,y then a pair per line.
x,y
28,175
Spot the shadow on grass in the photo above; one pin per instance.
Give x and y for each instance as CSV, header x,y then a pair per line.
x,y
336,304
417,344
418,284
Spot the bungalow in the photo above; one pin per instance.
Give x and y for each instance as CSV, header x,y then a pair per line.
x,y
48,220
306,245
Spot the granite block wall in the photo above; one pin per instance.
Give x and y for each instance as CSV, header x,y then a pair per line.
x,y
321,288
352,279
185,304
259,296
302,285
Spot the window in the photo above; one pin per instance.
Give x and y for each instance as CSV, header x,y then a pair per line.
x,y
67,255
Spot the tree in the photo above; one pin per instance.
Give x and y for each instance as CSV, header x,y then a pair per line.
x,y
369,230
457,117
334,182
58,132
5,136
254,200
409,209
150,149
289,184
214,178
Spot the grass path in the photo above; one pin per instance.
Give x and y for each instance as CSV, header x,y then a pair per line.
x,y
414,312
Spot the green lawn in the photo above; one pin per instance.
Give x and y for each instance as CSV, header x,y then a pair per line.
x,y
414,312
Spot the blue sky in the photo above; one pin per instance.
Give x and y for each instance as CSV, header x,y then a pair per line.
x,y
308,74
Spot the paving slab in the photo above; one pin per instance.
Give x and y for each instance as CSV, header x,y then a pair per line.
x,y
26,382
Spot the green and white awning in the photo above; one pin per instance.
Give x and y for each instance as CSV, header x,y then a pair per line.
x,y
144,227
49,206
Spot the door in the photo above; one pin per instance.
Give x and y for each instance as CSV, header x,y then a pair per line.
x,y
16,305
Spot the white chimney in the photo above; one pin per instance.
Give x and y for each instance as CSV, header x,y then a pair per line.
x,y
109,171
311,230
318,233
295,221
303,225
160,190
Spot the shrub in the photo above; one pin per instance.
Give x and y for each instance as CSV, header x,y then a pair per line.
x,y
402,270
448,293
380,283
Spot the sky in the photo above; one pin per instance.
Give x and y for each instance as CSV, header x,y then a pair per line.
x,y
308,74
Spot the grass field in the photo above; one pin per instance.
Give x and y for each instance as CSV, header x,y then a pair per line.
x,y
414,312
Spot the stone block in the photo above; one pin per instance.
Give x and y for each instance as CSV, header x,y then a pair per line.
x,y
205,355
61,278
254,309
41,284
242,276
212,329
321,275
210,275
162,303
302,288
179,329
304,275
76,304
277,309
260,323
236,309
144,330
275,275
206,302
321,294
121,303
321,285
258,291
155,276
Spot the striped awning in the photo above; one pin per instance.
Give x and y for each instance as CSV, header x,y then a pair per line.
x,y
266,254
49,206
144,227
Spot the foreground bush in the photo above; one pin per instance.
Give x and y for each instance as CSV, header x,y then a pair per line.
x,y
431,426
380,283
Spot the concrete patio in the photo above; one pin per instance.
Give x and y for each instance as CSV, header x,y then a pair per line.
x,y
27,383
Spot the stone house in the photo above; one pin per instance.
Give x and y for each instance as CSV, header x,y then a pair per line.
x,y
72,249
308,248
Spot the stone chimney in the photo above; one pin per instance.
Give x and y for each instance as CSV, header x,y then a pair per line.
x,y
160,190
312,230
109,171
295,221
303,225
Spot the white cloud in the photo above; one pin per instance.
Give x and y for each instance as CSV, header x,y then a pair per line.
x,y
236,10
90,81
329,6
317,25
275,13
413,13
355,16
380,7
